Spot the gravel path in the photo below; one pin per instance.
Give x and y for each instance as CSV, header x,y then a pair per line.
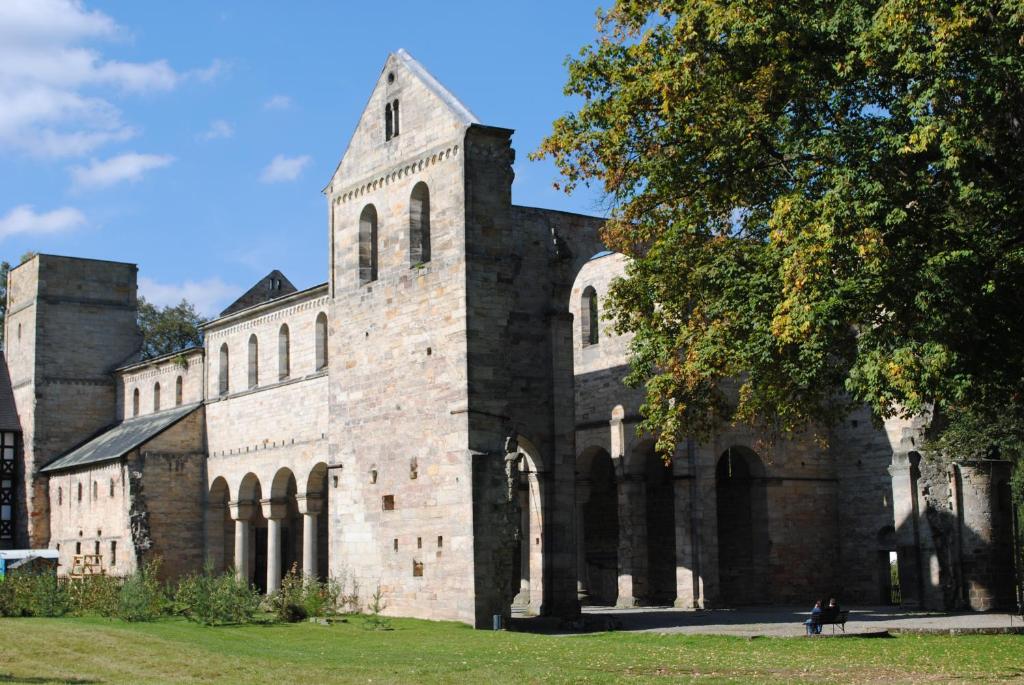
x,y
783,621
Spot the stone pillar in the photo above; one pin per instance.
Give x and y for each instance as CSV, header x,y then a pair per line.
x,y
582,497
215,542
905,515
632,539
274,511
688,595
241,513
310,507
985,531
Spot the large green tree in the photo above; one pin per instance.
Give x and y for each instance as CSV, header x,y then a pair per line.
x,y
823,205
169,329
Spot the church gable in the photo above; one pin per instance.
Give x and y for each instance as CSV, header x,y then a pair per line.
x,y
409,111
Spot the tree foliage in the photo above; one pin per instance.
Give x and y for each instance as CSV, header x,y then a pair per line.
x,y
169,329
822,205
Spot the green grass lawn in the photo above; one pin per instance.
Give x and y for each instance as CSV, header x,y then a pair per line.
x,y
93,650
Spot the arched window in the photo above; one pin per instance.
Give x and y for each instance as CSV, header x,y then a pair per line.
x,y
589,317
135,402
368,245
254,361
283,353
178,392
419,224
321,341
222,385
156,397
388,132
394,118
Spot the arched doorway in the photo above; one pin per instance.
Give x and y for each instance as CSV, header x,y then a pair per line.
x,y
251,533
742,557
528,562
660,527
887,567
599,569
316,516
282,514
220,528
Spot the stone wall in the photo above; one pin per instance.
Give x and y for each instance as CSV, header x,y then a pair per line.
x,y
89,515
70,323
165,372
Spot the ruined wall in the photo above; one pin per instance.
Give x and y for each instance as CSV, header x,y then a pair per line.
x,y
77,322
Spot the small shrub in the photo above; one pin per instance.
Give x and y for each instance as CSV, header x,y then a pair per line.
x,y
38,593
99,594
375,620
301,597
141,597
216,599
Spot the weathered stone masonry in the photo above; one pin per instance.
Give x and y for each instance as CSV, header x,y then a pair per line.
x,y
444,418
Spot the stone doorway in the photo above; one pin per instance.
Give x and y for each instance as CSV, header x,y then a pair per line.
x,y
742,527
597,491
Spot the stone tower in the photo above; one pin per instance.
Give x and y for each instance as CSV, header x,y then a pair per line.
x,y
441,320
70,322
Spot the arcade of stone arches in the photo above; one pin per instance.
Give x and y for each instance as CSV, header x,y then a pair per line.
x,y
264,528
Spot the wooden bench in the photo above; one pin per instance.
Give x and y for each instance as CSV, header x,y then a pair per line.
x,y
833,619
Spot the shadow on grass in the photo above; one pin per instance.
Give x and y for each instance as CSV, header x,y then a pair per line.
x,y
9,678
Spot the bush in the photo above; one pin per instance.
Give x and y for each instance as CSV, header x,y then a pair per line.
x,y
215,599
300,597
38,593
141,597
98,594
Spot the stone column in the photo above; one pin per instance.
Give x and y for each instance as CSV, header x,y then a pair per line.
x,y
632,539
241,513
687,578
310,507
582,497
273,511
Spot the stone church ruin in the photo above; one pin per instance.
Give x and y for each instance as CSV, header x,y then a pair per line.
x,y
445,417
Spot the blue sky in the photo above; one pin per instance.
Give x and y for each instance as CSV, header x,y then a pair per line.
x,y
193,138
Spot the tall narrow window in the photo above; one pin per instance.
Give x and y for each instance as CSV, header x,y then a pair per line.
x,y
178,392
254,361
113,552
368,245
321,341
222,385
135,402
388,131
283,353
394,117
156,397
79,492
419,224
589,316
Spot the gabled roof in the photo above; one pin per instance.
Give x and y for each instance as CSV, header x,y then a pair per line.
x,y
8,410
270,287
433,85
121,439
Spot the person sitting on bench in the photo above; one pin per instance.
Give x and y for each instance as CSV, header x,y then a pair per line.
x,y
830,613
814,626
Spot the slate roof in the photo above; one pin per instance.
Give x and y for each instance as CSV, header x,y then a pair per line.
x,y
8,410
270,287
121,439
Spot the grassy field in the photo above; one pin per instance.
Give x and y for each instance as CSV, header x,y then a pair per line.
x,y
92,650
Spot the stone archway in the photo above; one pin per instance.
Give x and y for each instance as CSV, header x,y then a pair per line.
x,y
250,532
314,507
528,562
220,528
659,528
281,513
742,529
598,529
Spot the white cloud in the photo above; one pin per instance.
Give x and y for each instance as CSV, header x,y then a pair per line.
x,y
24,219
278,102
52,102
283,168
209,296
127,167
217,68
218,129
